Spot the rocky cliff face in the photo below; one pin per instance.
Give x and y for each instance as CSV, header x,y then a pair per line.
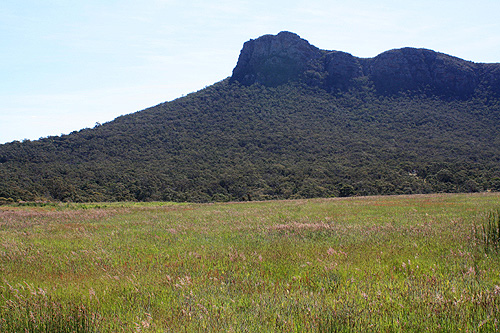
x,y
273,60
421,69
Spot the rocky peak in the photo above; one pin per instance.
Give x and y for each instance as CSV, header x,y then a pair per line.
x,y
272,60
420,69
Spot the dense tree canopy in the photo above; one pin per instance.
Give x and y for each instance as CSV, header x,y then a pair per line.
x,y
234,142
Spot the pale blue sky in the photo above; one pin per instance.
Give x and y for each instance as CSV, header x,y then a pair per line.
x,y
66,65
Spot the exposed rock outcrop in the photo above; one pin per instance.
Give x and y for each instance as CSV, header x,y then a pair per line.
x,y
421,69
273,60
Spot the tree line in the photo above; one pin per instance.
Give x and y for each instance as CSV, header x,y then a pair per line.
x,y
231,142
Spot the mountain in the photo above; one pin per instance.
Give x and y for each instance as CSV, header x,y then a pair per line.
x,y
292,121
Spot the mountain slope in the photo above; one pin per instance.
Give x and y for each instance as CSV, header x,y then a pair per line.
x,y
293,121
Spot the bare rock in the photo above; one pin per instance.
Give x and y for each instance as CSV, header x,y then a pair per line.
x,y
274,60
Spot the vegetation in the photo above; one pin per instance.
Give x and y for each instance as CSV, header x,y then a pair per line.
x,y
386,263
490,232
229,142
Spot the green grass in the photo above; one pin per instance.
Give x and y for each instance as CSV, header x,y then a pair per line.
x,y
395,263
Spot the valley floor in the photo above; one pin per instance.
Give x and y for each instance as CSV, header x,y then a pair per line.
x,y
388,263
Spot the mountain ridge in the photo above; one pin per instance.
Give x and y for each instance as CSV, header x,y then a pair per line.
x,y
273,60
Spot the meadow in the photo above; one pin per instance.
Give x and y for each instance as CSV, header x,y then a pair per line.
x,y
375,264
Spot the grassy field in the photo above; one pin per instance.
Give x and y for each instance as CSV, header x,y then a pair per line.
x,y
395,263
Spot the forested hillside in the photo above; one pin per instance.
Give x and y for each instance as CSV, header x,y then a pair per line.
x,y
254,141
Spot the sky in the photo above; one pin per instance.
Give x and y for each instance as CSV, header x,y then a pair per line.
x,y
66,65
